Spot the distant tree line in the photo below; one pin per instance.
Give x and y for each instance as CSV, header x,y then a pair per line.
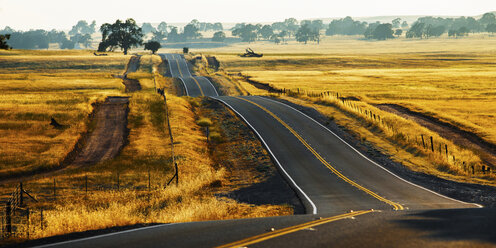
x,y
41,39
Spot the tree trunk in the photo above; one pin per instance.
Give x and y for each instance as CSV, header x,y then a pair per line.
x,y
125,50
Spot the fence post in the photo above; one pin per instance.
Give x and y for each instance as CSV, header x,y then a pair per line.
x,y
118,183
423,143
8,218
446,147
177,174
41,219
432,144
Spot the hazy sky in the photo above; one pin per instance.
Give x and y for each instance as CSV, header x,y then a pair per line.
x,y
62,14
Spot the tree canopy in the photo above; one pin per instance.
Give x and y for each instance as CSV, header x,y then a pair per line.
x,y
305,34
3,41
152,46
381,32
147,28
219,36
346,26
120,34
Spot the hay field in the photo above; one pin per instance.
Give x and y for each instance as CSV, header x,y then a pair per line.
x,y
38,85
450,79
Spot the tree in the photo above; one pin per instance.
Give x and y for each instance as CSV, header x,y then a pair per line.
x,y
162,27
404,24
491,28
191,31
305,34
159,36
346,26
416,31
219,36
152,46
275,38
3,41
291,26
382,32
487,18
247,33
82,27
85,39
7,30
147,28
218,26
174,36
67,44
120,34
396,22
266,32
434,31
33,39
398,32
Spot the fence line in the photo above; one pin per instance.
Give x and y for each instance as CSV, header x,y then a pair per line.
x,y
424,143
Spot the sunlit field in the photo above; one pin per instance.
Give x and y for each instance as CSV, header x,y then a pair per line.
x,y
38,85
450,79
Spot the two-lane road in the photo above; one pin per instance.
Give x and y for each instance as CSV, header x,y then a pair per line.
x,y
331,178
330,175
194,85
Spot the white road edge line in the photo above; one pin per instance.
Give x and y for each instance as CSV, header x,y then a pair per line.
x,y
447,197
170,69
186,88
268,149
217,94
103,235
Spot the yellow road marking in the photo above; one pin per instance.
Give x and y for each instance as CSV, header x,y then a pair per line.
x,y
197,83
395,205
179,68
291,229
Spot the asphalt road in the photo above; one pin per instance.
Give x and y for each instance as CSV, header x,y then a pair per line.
x,y
337,185
194,85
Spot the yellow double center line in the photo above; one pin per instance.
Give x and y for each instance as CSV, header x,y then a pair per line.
x,y
291,229
196,81
395,205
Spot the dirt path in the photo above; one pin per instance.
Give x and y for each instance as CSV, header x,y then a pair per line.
x,y
109,135
133,65
103,143
468,140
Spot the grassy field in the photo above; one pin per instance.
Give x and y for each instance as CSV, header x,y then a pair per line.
x,y
132,188
450,79
38,85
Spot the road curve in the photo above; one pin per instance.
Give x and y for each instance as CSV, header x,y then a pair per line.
x,y
330,175
194,85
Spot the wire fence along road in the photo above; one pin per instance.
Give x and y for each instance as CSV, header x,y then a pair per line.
x,y
193,85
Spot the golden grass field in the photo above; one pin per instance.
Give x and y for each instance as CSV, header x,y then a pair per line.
x,y
37,85
131,188
450,79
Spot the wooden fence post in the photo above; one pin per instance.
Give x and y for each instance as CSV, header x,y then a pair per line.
x,y
432,144
446,147
177,174
423,143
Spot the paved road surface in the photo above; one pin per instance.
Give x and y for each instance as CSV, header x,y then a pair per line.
x,y
194,85
331,178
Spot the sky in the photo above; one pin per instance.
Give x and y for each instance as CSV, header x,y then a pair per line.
x,y
62,14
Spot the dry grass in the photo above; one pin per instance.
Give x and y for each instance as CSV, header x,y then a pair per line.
x,y
38,85
118,190
450,79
